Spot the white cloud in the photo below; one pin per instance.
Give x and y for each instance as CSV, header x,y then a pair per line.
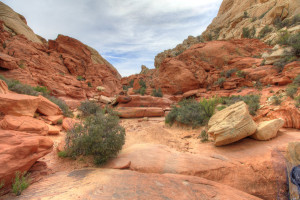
x,y
128,33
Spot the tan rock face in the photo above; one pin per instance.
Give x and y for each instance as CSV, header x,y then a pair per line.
x,y
268,129
138,112
18,104
231,124
48,108
19,151
16,23
24,124
127,186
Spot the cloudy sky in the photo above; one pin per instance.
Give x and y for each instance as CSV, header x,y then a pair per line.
x,y
128,33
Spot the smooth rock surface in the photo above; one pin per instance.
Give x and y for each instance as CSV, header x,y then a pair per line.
x,y
48,108
268,129
138,112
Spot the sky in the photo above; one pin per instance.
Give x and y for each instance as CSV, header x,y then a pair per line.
x,y
127,33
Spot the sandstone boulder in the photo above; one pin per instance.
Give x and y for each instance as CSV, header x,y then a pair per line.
x,y
231,124
53,130
268,129
3,88
68,123
48,108
18,104
138,112
24,124
19,151
53,119
106,100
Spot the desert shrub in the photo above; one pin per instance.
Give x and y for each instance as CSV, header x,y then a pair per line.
x,y
249,33
251,100
264,32
246,14
126,87
283,38
61,104
59,122
253,19
262,16
263,62
20,183
42,89
89,84
204,136
228,73
258,85
192,113
100,135
297,101
291,90
220,81
277,99
219,108
296,80
157,93
142,89
241,74
80,78
294,42
89,108
62,154
284,60
142,83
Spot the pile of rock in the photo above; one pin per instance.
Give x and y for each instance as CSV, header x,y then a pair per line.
x,y
235,123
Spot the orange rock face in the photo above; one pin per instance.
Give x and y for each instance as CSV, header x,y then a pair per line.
x,y
48,108
3,88
24,124
19,151
18,104
57,66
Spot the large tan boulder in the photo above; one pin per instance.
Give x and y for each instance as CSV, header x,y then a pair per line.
x,y
138,112
48,108
231,124
3,87
24,124
18,104
19,151
268,129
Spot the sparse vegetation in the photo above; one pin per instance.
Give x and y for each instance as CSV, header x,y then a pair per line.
x,y
241,74
291,90
258,85
100,135
204,136
1,185
262,16
277,99
20,183
62,154
279,24
89,108
219,108
192,113
249,33
59,122
228,73
263,62
296,80
80,78
251,100
157,93
143,87
264,31
253,19
297,100
246,14
89,84
20,88
220,81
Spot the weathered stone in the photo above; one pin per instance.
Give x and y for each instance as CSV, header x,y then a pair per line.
x,y
268,129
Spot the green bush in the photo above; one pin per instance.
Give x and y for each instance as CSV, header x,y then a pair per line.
x,y
284,60
89,108
20,183
62,154
294,41
253,19
89,84
251,100
220,81
241,74
192,113
283,38
264,32
157,93
61,104
296,80
219,108
258,85
204,136
142,89
100,135
228,73
249,33
291,90
80,78
42,89
246,14
277,99
59,122
297,101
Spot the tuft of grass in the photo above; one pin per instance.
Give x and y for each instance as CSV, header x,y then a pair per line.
x,y
59,122
291,90
264,31
220,81
228,73
204,136
277,99
80,78
89,108
89,84
296,80
241,74
157,93
62,154
297,101
20,183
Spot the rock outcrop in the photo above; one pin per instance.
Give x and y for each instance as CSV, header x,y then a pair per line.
x,y
138,112
96,184
24,124
18,104
48,108
19,151
3,87
231,124
67,67
268,129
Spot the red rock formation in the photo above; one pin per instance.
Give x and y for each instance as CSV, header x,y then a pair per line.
x,y
19,151
137,112
48,108
3,88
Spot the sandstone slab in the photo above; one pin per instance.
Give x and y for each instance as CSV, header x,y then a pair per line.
x,y
3,87
138,112
48,108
